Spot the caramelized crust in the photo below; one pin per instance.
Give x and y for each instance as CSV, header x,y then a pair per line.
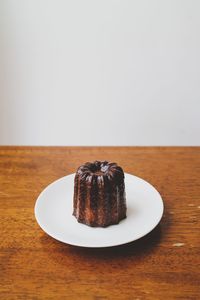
x,y
99,194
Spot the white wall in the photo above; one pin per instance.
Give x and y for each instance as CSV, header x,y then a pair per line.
x,y
106,72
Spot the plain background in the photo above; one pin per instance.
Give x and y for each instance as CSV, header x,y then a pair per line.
x,y
107,72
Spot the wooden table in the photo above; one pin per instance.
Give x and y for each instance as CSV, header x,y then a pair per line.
x,y
163,265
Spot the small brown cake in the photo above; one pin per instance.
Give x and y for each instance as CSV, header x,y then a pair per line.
x,y
99,194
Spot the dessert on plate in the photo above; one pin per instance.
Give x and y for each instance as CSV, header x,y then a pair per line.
x,y
99,194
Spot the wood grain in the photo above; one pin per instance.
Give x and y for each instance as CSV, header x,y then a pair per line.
x,y
163,265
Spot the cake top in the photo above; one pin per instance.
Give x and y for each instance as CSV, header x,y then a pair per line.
x,y
102,169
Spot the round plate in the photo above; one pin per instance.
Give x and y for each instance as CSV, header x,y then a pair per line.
x,y
53,212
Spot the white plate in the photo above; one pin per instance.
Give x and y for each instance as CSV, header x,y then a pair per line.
x,y
53,212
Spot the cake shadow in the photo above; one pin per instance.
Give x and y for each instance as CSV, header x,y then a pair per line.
x,y
138,248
